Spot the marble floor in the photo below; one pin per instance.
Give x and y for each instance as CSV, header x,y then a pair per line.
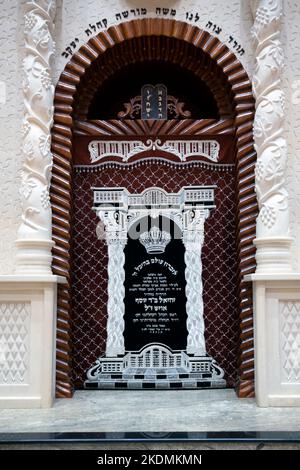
x,y
151,411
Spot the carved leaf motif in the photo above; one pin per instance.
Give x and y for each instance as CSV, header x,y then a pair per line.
x,y
44,145
27,187
282,202
276,165
36,68
258,128
268,104
274,169
277,53
41,37
28,150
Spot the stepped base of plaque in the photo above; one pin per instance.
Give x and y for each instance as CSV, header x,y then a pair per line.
x,y
155,366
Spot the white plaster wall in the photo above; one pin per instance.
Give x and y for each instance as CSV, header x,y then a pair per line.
x,y
73,18
11,106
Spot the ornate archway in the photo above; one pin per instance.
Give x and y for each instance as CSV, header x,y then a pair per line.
x,y
220,59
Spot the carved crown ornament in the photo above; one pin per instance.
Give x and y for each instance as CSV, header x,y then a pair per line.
x,y
155,240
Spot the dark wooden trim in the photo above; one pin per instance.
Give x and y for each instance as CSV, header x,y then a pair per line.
x,y
116,127
240,93
166,48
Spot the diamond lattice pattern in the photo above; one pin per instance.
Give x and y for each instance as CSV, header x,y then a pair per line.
x,y
89,261
14,342
290,336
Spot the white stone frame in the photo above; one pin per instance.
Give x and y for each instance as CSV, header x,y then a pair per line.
x,y
119,210
274,284
30,296
277,339
27,340
273,242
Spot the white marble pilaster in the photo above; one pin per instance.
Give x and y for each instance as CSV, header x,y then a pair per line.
x,y
34,241
273,241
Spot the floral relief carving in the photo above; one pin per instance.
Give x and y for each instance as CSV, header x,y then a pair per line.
x,y
38,92
268,127
45,145
27,186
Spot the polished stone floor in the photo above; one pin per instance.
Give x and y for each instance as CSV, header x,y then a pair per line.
x,y
151,411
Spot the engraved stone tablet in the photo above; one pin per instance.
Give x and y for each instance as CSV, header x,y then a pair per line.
x,y
154,102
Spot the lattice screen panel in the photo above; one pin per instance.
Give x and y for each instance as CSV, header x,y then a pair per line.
x,y
89,296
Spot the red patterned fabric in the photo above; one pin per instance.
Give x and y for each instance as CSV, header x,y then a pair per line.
x,y
220,292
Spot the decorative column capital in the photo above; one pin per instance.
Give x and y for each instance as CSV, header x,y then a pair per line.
x,y
115,223
34,242
193,229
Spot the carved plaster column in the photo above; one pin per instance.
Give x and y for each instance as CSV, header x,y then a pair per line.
x,y
116,237
34,242
193,238
273,241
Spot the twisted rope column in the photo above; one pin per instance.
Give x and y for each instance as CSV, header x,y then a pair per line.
x,y
116,293
115,232
193,238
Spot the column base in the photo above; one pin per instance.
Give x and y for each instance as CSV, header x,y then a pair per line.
x,y
273,255
27,340
277,338
34,256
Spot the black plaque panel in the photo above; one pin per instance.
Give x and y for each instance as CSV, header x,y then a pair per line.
x,y
154,102
155,300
